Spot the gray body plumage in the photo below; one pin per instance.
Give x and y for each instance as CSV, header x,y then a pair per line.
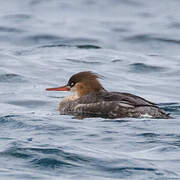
x,y
111,105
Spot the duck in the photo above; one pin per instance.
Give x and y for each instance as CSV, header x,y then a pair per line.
x,y
89,98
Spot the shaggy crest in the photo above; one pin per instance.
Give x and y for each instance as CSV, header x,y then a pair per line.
x,y
83,76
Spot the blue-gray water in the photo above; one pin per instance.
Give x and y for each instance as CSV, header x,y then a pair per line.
x,y
134,44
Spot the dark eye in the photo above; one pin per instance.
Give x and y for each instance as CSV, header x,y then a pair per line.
x,y
72,84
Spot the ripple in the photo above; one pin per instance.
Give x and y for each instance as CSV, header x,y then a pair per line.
x,y
10,29
173,108
16,153
124,171
151,135
10,121
147,37
144,68
50,163
117,60
51,40
167,149
43,38
28,103
116,120
128,169
44,157
83,61
45,150
13,78
54,45
88,46
83,46
17,17
59,153
139,38
173,41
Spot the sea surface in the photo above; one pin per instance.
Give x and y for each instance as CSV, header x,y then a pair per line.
x,y
133,44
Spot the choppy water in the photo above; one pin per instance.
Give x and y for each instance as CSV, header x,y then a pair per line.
x,y
133,44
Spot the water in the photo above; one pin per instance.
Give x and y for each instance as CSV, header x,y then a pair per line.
x,y
133,44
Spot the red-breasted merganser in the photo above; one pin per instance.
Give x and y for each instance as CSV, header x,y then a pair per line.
x,y
90,99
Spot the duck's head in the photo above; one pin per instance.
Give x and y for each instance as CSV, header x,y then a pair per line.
x,y
81,83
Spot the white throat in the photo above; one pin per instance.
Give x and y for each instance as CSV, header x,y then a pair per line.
x,y
73,96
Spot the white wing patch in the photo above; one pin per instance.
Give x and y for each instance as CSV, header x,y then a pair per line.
x,y
146,115
79,106
125,105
